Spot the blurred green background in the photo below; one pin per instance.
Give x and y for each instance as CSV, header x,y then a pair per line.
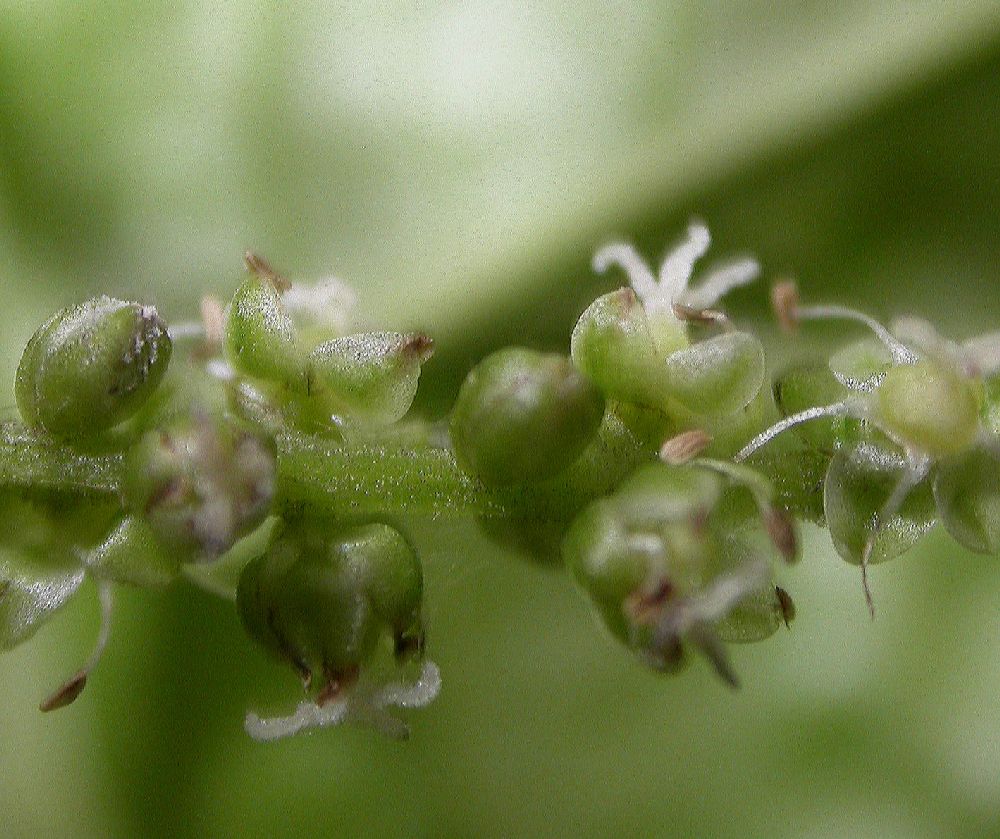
x,y
458,163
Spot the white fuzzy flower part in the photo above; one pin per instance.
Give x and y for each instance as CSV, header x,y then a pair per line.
x,y
328,304
672,287
363,704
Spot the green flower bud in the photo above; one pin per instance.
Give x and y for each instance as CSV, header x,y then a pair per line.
x,y
201,483
91,366
371,377
859,485
967,492
612,344
523,416
259,336
930,406
321,601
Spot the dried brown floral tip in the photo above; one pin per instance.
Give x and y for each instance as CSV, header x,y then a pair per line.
x,y
66,693
258,265
702,316
685,446
785,303
781,529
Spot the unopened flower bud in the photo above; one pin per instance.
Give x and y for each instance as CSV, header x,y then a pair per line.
x,y
929,405
523,416
321,600
91,366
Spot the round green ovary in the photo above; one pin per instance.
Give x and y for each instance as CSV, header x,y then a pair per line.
x,y
929,407
523,416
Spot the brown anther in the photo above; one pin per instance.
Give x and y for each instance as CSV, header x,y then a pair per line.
x,y
785,303
262,268
785,605
781,529
419,346
336,683
703,316
685,446
66,693
644,606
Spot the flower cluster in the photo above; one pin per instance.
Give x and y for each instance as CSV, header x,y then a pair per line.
x,y
275,462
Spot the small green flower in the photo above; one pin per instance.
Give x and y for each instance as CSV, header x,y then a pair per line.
x,y
91,366
322,598
634,343
922,404
200,483
372,377
672,560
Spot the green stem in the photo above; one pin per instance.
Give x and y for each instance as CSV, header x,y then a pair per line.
x,y
371,480
34,461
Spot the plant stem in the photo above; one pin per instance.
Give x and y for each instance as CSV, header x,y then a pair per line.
x,y
35,461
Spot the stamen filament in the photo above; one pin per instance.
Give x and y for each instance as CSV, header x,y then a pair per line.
x,y
837,409
900,353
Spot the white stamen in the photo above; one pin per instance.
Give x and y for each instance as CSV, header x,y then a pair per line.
x,y
900,353
671,289
639,276
106,596
719,283
675,271
358,705
837,409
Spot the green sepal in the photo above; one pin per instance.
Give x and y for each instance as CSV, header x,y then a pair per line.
x,y
859,483
860,365
719,375
91,366
31,591
522,416
967,492
133,555
372,377
259,336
